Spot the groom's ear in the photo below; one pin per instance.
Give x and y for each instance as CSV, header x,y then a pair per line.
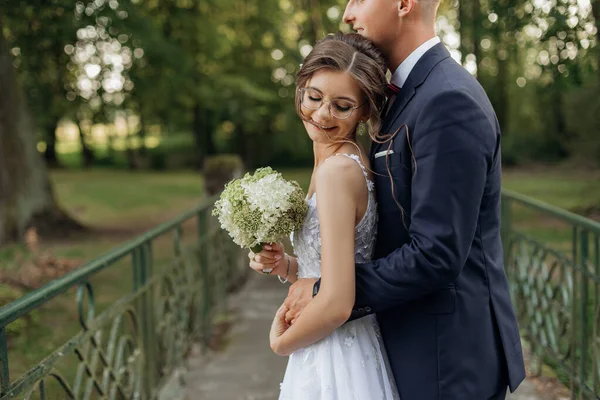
x,y
405,7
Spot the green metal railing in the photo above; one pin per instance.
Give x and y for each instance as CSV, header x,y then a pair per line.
x,y
130,349
552,258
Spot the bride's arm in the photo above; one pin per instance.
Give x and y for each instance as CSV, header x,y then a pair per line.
x,y
338,187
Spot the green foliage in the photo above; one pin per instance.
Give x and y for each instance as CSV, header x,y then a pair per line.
x,y
174,152
220,169
223,71
8,294
522,146
583,117
223,162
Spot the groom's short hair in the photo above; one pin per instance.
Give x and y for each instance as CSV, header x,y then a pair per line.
x,y
429,6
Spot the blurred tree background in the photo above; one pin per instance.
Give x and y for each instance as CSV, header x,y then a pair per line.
x,y
163,84
109,109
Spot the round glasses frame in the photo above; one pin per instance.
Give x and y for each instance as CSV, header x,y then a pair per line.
x,y
303,90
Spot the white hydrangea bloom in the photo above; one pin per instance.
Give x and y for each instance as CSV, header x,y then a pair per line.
x,y
260,208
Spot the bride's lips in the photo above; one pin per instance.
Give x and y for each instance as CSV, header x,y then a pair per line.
x,y
323,127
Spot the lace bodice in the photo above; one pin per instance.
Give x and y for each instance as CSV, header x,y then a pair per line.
x,y
307,240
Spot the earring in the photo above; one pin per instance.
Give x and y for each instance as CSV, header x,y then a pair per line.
x,y
362,128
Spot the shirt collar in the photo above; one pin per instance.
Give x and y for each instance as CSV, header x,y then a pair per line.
x,y
401,74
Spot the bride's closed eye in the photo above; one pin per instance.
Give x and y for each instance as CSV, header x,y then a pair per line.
x,y
343,107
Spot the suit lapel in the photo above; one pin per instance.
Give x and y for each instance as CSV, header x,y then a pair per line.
x,y
402,99
416,78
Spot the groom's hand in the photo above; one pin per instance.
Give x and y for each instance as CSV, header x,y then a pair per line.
x,y
299,295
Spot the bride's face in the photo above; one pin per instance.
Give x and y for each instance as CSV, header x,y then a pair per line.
x,y
333,105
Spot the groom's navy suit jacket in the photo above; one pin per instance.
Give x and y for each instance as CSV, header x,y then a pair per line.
x,y
437,280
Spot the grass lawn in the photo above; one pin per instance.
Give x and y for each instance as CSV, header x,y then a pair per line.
x,y
120,198
571,189
577,191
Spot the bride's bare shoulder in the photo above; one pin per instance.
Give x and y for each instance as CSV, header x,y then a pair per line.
x,y
340,174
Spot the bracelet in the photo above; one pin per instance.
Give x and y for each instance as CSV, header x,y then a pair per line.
x,y
288,271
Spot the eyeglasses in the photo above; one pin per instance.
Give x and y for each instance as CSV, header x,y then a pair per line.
x,y
338,108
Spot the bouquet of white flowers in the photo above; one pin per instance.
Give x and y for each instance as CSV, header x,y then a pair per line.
x,y
260,208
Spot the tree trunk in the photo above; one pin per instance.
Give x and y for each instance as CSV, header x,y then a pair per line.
x,y
198,137
463,17
142,136
561,132
503,47
131,153
26,196
50,136
502,103
476,35
317,22
86,152
209,127
110,142
596,13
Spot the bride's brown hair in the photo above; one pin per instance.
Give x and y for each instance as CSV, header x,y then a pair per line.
x,y
357,56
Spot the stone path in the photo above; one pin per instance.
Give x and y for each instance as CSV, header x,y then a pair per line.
x,y
247,369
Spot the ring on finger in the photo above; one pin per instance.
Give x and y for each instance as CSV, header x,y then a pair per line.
x,y
267,271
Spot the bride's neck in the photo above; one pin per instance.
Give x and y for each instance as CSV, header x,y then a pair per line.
x,y
324,151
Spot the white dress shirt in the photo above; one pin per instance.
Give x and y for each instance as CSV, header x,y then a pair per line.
x,y
401,74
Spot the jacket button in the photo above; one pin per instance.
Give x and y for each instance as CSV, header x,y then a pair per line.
x,y
368,309
361,310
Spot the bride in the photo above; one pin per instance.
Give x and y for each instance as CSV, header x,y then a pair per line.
x,y
340,87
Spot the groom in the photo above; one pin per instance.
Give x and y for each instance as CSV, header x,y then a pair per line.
x,y
437,281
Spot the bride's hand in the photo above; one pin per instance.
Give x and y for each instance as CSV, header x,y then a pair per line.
x,y
270,259
278,328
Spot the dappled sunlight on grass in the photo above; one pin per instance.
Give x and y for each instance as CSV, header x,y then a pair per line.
x,y
113,197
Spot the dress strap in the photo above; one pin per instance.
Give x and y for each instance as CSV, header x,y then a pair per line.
x,y
355,157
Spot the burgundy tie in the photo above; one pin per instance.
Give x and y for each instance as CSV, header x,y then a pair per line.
x,y
393,89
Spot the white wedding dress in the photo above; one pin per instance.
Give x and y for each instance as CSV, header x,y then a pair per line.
x,y
351,363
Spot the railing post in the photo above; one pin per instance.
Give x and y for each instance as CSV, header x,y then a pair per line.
x,y
142,268
574,315
584,306
204,268
4,375
595,310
